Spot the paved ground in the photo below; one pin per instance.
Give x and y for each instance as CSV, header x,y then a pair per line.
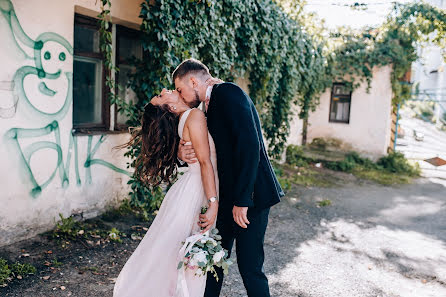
x,y
433,144
372,241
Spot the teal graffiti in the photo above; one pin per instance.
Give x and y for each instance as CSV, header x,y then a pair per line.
x,y
48,65
14,134
7,9
40,70
45,90
90,161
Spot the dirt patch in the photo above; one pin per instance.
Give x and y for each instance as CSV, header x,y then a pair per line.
x,y
85,266
313,232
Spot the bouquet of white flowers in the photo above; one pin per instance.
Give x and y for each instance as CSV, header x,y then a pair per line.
x,y
203,252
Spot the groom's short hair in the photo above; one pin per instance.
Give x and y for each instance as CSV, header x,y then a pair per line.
x,y
190,66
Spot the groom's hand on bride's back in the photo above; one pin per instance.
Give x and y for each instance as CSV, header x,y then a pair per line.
x,y
186,152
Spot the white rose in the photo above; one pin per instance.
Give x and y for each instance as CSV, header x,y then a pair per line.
x,y
218,256
200,257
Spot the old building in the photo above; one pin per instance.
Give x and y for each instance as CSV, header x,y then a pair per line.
x,y
57,126
361,119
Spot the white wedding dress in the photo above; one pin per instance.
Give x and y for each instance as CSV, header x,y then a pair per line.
x,y
151,271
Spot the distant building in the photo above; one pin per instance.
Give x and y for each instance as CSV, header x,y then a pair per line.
x,y
429,73
361,120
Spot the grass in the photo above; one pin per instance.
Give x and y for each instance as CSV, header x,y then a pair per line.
x,y
15,270
388,170
68,229
289,175
323,203
382,177
115,235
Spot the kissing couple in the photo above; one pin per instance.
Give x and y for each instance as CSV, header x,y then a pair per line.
x,y
228,172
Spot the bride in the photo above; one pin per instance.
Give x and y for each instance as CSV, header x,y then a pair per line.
x,y
151,271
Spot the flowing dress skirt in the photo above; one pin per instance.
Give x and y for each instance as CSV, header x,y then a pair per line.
x,y
151,271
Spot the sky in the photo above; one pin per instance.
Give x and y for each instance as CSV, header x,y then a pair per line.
x,y
337,14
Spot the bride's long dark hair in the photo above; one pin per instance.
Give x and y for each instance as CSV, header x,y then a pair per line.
x,y
158,141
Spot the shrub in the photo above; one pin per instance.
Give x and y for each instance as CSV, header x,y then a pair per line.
x,y
345,165
397,163
358,160
295,156
325,143
350,162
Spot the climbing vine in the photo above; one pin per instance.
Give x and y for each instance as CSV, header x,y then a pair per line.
x,y
106,47
349,56
141,196
394,43
254,39
286,63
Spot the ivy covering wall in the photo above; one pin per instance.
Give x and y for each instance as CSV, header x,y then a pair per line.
x,y
253,39
283,51
395,43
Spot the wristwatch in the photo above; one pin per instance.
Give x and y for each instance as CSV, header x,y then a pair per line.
x,y
212,199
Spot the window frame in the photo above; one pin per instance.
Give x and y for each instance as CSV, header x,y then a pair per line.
x,y
86,128
349,96
120,29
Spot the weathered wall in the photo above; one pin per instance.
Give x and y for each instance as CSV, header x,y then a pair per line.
x,y
368,131
45,170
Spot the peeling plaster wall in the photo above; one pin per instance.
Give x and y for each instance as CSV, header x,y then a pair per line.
x,y
45,169
368,131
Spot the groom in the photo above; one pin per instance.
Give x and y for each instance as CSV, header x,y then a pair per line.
x,y
248,185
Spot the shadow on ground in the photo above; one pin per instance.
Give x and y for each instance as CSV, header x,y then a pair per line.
x,y
372,240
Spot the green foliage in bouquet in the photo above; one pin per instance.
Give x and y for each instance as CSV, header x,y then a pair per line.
x,y
206,254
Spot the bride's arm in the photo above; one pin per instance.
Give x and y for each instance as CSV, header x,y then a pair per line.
x,y
198,133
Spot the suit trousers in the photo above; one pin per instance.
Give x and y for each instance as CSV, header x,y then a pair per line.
x,y
249,251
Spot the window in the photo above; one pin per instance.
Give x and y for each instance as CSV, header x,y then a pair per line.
x,y
91,107
340,102
128,46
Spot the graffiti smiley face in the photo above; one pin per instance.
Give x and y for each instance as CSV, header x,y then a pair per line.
x,y
55,58
47,87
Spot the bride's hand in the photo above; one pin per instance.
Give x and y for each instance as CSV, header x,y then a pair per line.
x,y
208,218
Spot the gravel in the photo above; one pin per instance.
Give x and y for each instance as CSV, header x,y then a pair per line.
x,y
371,241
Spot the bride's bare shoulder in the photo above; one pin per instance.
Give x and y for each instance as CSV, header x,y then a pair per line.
x,y
197,116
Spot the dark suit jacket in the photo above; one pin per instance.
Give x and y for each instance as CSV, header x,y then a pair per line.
x,y
244,170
